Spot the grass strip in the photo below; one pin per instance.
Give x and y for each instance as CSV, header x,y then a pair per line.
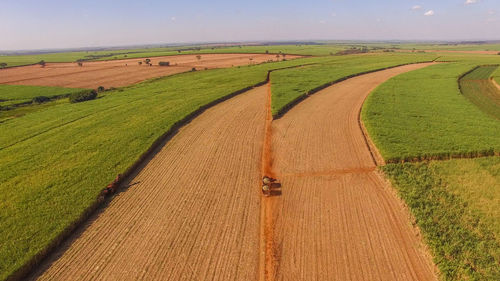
x,y
460,237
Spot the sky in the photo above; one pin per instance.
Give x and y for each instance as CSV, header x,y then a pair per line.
x,y
41,24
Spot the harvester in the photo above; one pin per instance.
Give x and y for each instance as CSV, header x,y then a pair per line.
x,y
267,184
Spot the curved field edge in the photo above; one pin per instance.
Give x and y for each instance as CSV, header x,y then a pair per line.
x,y
422,115
290,87
455,213
66,166
477,86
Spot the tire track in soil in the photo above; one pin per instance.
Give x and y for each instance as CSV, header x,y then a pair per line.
x,y
191,213
337,219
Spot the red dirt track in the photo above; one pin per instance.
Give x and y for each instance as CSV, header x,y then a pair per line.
x,y
336,218
118,73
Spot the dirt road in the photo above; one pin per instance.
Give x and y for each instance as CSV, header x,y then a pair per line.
x,y
336,219
495,83
192,213
118,73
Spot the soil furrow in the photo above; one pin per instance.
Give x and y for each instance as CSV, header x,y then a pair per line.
x,y
192,212
336,219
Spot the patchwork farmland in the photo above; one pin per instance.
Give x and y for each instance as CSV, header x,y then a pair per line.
x,y
386,165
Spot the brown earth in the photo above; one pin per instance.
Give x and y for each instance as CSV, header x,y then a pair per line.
x,y
118,73
192,213
336,218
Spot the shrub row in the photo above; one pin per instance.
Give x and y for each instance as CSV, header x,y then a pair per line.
x,y
83,96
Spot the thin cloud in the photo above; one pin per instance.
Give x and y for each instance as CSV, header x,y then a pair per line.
x,y
429,13
416,7
468,2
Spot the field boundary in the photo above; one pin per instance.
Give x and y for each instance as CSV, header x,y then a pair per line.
x,y
144,158
302,97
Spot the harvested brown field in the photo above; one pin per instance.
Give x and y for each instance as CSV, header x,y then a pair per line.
x,y
192,213
195,211
337,219
118,73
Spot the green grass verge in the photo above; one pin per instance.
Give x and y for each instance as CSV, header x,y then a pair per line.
x,y
455,204
55,161
423,115
479,89
291,85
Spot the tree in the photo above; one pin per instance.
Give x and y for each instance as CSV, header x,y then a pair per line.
x,y
100,89
3,64
267,51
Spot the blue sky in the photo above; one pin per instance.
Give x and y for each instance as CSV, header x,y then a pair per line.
x,y
30,24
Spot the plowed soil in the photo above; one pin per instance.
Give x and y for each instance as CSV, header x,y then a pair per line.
x,y
192,213
336,218
118,73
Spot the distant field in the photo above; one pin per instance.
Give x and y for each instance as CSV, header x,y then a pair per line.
x,y
423,115
323,49
478,88
292,84
18,92
452,47
317,50
455,203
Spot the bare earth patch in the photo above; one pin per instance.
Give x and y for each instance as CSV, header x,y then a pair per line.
x,y
336,218
118,73
192,213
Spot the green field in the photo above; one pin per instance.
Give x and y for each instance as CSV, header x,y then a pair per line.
x,y
455,204
79,148
478,88
16,100
292,84
423,115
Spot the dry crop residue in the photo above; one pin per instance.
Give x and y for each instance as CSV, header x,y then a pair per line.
x,y
192,213
118,73
336,218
